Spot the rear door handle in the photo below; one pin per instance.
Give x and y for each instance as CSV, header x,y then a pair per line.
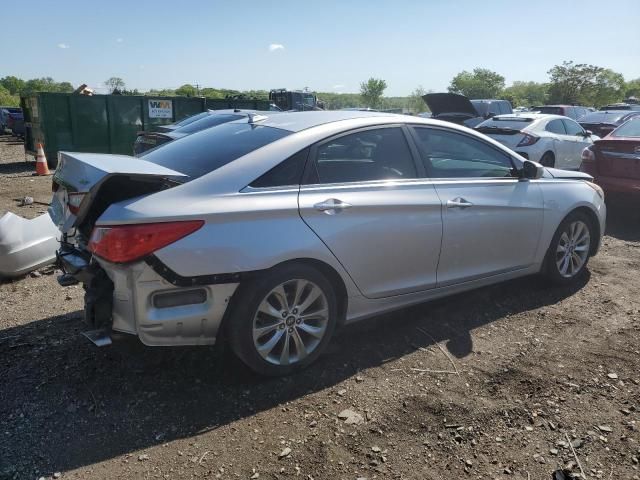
x,y
458,202
331,206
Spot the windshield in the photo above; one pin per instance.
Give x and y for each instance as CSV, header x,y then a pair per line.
x,y
603,117
629,129
207,122
205,151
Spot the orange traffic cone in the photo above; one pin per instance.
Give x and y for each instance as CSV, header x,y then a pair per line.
x,y
41,162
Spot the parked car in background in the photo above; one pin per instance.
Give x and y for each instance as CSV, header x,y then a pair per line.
x,y
572,111
551,140
185,121
455,108
145,141
614,162
603,122
621,106
272,230
11,119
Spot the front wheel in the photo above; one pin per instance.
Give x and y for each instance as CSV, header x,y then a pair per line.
x,y
283,320
548,160
568,253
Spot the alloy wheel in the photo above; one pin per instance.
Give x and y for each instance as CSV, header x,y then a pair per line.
x,y
572,250
290,322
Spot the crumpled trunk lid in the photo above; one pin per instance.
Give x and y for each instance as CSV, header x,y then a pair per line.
x,y
85,184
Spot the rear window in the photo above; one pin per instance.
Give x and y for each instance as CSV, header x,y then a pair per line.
x,y
192,119
629,129
504,123
208,150
550,110
603,117
207,122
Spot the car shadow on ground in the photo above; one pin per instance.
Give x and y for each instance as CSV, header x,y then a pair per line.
x,y
623,222
17,167
71,404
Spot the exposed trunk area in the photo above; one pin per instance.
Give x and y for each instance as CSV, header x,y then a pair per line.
x,y
86,184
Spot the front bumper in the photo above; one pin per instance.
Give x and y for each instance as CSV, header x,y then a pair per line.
x,y
124,298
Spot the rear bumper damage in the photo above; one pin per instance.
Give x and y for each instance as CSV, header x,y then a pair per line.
x,y
137,300
26,245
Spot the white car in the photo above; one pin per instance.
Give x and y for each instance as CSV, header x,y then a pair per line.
x,y
552,140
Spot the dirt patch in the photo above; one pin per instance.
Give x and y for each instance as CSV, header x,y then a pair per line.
x,y
536,364
17,180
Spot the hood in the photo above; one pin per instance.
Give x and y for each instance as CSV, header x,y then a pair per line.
x,y
440,103
557,173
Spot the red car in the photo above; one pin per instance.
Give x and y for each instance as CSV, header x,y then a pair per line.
x,y
614,162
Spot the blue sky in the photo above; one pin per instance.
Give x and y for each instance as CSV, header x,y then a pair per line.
x,y
326,46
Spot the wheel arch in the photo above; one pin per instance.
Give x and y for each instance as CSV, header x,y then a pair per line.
x,y
325,269
593,220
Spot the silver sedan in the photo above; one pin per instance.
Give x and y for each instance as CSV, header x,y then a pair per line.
x,y
274,230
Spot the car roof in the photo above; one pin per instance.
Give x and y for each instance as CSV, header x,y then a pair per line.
x,y
298,121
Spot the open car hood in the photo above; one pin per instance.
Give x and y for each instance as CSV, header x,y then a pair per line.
x,y
440,103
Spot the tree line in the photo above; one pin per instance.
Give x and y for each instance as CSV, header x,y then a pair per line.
x,y
569,83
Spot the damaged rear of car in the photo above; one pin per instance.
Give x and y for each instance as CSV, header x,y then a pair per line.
x,y
111,246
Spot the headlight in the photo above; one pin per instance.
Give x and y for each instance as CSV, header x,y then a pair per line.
x,y
597,188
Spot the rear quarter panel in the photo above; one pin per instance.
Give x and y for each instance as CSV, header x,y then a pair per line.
x,y
243,232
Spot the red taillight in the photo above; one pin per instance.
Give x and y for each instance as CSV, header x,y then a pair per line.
x,y
528,140
126,243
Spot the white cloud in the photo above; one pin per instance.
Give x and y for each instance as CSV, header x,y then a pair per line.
x,y
63,45
338,87
276,46
119,40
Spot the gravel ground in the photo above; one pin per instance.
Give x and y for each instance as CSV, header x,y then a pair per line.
x,y
491,384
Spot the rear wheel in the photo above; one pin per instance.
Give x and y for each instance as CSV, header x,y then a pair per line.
x,y
548,160
283,321
568,253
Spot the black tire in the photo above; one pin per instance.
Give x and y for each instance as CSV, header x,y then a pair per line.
x,y
52,162
548,160
551,268
239,325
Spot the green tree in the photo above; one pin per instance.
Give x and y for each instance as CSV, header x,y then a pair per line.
x,y
584,84
13,84
187,90
114,83
481,83
8,100
415,103
526,93
632,88
371,91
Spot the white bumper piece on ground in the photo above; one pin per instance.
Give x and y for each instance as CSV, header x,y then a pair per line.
x,y
26,244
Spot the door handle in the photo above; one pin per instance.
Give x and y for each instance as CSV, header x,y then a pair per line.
x,y
331,206
458,203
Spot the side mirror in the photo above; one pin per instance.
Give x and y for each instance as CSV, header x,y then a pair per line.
x,y
489,115
588,133
532,170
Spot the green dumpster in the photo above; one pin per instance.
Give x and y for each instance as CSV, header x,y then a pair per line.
x,y
97,123
242,103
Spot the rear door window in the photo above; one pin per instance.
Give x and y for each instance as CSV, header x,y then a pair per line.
x,y
363,156
573,128
556,126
